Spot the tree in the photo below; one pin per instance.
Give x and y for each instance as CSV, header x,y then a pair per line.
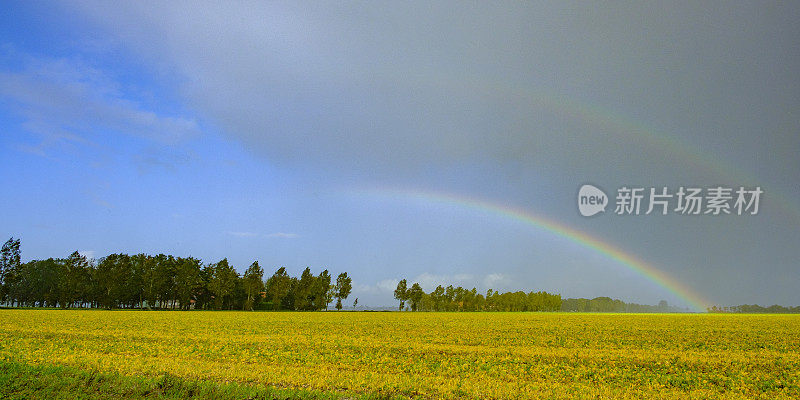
x,y
291,293
134,287
187,280
401,293
277,287
204,296
145,270
344,285
165,279
438,298
223,283
322,290
415,295
253,284
36,283
304,291
123,281
75,280
9,263
112,274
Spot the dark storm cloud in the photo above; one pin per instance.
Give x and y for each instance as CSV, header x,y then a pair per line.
x,y
381,85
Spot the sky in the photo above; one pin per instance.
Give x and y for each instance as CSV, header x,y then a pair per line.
x,y
444,143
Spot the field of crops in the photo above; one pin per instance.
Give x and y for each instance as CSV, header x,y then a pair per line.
x,y
419,355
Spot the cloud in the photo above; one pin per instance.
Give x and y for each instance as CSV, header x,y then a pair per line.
x,y
497,281
67,102
387,285
362,289
283,235
428,282
331,89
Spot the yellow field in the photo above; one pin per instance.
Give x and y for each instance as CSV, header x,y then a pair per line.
x,y
428,355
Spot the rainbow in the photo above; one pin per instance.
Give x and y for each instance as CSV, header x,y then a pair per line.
x,y
646,270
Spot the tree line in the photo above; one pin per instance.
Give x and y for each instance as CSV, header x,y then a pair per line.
x,y
755,309
459,299
607,304
161,281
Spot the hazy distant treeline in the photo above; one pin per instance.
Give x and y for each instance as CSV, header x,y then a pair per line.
x,y
161,281
755,309
459,299
607,304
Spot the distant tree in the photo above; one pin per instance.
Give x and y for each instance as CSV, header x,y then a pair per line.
x,y
204,297
277,287
449,297
332,290
322,290
438,298
144,267
75,280
253,284
164,279
187,280
9,263
415,295
112,274
37,283
123,281
344,285
288,301
239,296
222,284
304,291
401,293
134,287
355,303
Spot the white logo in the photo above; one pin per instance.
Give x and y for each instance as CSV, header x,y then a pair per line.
x,y
591,200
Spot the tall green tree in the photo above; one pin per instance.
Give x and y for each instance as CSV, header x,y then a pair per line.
x,y
401,293
112,274
277,287
304,291
288,302
222,284
344,285
322,290
204,297
415,295
187,280
75,280
253,284
164,275
438,298
9,264
40,282
134,287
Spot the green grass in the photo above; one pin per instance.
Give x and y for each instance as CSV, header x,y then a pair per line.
x,y
25,382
